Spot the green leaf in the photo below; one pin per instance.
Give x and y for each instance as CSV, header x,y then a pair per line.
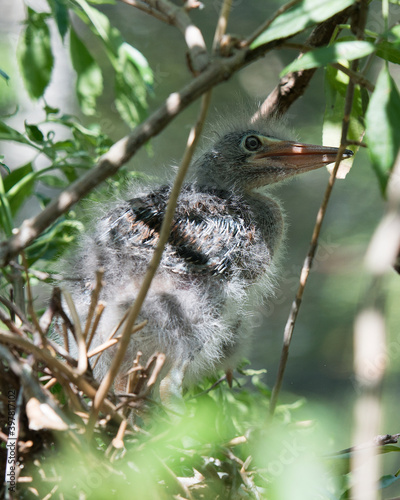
x,y
387,480
53,181
60,13
19,186
383,127
302,15
89,83
34,54
9,134
388,51
34,133
52,242
327,55
130,85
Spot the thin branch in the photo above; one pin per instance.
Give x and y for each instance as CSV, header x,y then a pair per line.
x,y
149,10
152,268
305,271
355,76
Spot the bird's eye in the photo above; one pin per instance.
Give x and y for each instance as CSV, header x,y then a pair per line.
x,y
252,143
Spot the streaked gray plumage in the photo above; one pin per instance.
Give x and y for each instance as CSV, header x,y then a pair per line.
x,y
220,260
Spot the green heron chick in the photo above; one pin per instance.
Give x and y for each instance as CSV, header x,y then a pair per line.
x,y
220,259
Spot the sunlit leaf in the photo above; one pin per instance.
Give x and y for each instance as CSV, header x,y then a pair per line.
x,y
335,92
383,126
34,54
327,55
302,15
89,83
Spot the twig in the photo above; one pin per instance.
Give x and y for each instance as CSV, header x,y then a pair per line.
x,y
99,311
148,9
80,341
305,271
94,300
355,76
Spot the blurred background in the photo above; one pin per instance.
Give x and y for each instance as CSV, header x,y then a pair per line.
x,y
320,361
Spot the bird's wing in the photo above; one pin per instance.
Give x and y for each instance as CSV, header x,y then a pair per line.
x,y
209,233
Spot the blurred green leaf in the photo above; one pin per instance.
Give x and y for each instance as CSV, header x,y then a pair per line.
x,y
387,480
302,15
388,51
327,55
60,14
383,126
53,181
19,186
89,83
9,134
54,241
34,133
34,54
133,75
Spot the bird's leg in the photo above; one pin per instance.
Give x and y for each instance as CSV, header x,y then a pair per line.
x,y
171,388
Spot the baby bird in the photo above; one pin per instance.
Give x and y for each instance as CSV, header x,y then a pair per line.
x,y
219,263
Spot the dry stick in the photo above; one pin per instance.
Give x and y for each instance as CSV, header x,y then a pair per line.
x,y
80,341
151,270
99,311
94,300
305,271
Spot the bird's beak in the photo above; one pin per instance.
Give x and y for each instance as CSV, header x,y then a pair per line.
x,y
298,156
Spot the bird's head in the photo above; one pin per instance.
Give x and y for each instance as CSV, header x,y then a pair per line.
x,y
254,157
